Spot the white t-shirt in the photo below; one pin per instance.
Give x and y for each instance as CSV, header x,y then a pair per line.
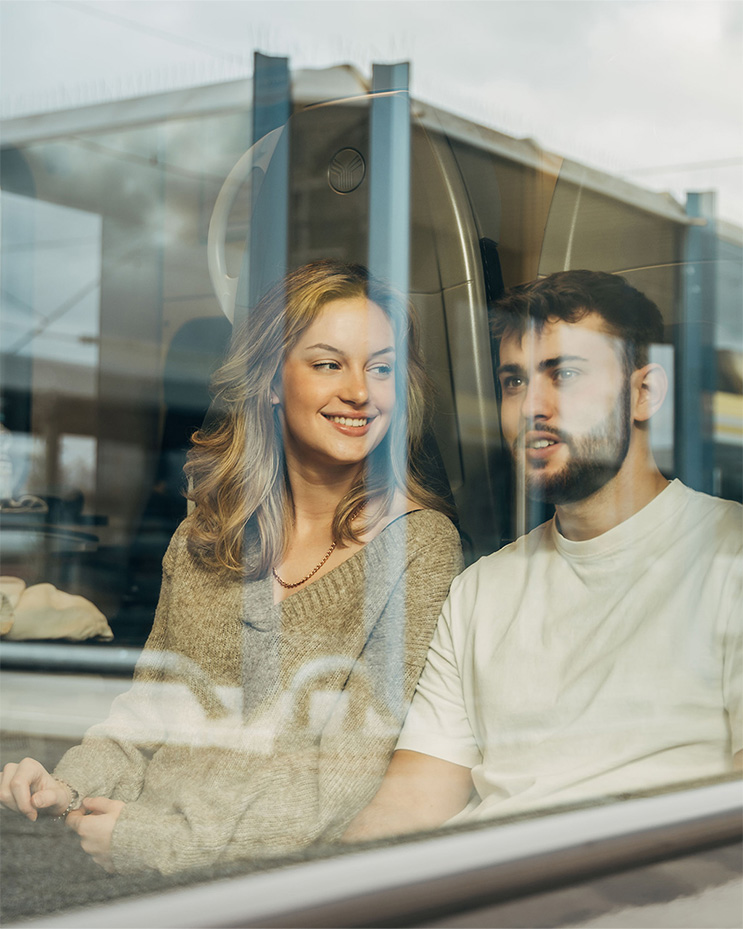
x,y
563,670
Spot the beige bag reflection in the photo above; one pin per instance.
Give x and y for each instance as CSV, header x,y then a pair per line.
x,y
43,612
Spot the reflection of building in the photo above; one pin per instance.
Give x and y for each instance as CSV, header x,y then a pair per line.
x,y
110,326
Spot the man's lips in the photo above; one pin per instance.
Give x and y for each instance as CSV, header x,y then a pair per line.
x,y
539,445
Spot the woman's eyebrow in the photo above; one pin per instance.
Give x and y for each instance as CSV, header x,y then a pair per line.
x,y
326,348
323,346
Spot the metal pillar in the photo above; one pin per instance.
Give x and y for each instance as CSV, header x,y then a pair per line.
x,y
266,260
389,259
695,348
389,182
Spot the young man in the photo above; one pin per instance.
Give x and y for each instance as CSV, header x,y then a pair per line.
x,y
603,652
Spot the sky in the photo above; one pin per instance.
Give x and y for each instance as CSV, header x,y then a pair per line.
x,y
649,90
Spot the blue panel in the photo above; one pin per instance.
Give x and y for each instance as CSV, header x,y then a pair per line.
x,y
695,353
265,260
389,207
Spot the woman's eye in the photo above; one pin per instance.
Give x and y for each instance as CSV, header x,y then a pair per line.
x,y
565,374
382,370
326,366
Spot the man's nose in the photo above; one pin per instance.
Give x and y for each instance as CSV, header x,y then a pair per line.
x,y
539,399
354,388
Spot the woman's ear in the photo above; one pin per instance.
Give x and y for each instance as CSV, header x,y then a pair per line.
x,y
274,397
649,389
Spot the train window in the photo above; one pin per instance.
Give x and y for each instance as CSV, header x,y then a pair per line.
x,y
150,252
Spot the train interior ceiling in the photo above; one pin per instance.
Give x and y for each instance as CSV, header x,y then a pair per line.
x,y
111,328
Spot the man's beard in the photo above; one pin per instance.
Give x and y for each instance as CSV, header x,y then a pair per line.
x,y
594,459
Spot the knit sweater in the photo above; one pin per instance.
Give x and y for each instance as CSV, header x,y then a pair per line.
x,y
255,729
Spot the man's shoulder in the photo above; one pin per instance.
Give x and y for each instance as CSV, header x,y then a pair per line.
x,y
711,514
503,565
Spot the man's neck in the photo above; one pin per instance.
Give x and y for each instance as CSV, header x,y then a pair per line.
x,y
624,495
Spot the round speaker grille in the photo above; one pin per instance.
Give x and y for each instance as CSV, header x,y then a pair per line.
x,y
346,170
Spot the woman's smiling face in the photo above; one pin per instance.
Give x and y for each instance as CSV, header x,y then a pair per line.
x,y
336,390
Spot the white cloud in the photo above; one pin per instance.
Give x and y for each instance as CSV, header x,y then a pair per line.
x,y
621,85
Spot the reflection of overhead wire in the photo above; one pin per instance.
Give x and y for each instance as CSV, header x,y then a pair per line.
x,y
690,166
41,244
64,307
147,161
153,31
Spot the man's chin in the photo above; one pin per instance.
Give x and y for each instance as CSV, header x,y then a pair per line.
x,y
569,485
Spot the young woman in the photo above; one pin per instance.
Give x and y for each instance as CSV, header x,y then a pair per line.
x,y
298,599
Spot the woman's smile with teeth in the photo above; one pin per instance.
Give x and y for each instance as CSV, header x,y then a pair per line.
x,y
348,420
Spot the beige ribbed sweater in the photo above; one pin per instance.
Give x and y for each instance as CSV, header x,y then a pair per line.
x,y
255,729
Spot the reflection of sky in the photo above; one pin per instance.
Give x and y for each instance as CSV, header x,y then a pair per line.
x,y
648,90
57,316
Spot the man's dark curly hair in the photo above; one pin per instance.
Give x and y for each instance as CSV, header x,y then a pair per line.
x,y
570,296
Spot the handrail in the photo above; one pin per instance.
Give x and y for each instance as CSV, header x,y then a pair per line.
x,y
454,871
257,157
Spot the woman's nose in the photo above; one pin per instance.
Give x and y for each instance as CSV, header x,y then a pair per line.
x,y
354,388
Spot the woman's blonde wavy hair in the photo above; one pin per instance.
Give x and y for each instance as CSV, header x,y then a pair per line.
x,y
236,466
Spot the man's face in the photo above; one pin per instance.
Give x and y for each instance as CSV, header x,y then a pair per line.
x,y
565,409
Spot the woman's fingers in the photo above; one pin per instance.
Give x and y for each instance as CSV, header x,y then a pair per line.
x,y
74,819
94,824
28,787
103,805
6,794
57,796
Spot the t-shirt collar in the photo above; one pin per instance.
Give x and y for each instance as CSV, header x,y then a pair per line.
x,y
638,526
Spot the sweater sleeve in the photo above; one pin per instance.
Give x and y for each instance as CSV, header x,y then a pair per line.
x,y
112,759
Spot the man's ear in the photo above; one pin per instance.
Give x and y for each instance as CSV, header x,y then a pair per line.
x,y
649,389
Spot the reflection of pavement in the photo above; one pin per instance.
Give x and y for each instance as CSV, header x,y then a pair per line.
x,y
42,867
696,891
44,871
41,864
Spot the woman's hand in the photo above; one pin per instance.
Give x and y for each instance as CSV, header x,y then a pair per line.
x,y
28,788
94,823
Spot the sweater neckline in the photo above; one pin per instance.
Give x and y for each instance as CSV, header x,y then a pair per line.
x,y
351,562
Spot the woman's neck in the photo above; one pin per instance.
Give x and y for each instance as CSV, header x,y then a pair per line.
x,y
316,495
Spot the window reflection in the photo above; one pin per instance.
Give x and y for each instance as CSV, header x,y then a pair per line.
x,y
111,333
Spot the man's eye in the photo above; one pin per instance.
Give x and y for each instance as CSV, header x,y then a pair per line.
x,y
565,374
512,383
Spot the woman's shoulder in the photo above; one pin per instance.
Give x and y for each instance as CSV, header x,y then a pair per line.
x,y
426,522
426,530
433,529
178,549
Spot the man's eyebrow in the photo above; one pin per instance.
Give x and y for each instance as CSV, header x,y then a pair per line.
x,y
547,365
510,369
558,360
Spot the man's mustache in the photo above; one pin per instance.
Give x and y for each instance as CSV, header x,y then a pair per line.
x,y
558,434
